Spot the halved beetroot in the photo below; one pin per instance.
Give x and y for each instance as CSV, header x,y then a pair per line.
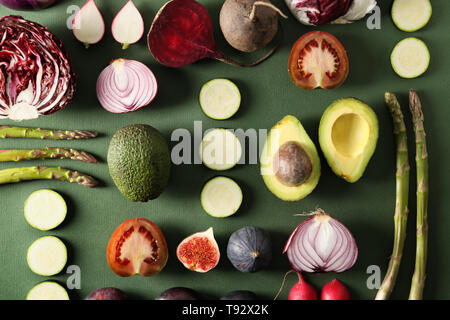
x,y
137,246
318,60
182,33
199,252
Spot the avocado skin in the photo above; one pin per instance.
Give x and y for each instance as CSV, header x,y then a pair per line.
x,y
139,162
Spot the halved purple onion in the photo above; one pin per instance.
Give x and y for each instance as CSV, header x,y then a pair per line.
x,y
126,86
321,244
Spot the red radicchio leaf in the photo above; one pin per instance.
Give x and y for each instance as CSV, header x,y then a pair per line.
x,y
318,12
36,75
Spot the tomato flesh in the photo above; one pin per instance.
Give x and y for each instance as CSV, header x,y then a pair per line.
x,y
318,60
137,247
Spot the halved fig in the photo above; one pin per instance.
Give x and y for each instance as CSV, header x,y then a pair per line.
x,y
318,60
137,246
199,252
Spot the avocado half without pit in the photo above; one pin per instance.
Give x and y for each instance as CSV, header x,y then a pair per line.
x,y
290,164
348,135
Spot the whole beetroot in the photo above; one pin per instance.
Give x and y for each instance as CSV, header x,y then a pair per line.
x,y
249,25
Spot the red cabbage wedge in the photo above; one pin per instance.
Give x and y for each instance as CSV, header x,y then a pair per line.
x,y
36,75
320,12
27,4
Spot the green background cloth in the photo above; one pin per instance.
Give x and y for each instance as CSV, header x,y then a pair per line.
x,y
366,207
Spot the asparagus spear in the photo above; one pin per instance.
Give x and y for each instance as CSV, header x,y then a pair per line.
x,y
48,134
46,153
37,173
418,279
402,191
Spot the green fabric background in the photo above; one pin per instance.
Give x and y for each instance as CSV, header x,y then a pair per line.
x,y
267,95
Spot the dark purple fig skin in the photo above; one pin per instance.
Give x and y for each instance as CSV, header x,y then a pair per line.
x,y
178,293
239,295
107,294
250,249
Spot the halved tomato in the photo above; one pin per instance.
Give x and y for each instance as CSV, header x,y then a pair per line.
x,y
137,246
318,60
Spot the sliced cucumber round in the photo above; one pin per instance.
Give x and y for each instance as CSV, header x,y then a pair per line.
x,y
221,197
47,290
411,15
220,149
47,256
45,209
410,58
220,99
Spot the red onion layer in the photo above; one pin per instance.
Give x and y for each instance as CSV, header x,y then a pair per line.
x,y
126,86
321,244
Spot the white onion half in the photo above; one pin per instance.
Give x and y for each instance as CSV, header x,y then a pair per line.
x,y
321,244
126,86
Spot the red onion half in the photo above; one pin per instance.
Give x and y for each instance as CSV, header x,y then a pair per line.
x,y
321,244
126,86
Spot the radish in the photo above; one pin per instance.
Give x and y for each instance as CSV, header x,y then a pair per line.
x,y
182,33
334,290
302,290
88,25
128,25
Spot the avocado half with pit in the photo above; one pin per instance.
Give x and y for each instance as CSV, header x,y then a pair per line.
x,y
290,164
348,135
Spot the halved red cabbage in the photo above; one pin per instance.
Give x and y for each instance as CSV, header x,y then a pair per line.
x,y
36,75
27,4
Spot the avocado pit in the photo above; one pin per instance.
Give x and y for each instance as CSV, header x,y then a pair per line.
x,y
292,165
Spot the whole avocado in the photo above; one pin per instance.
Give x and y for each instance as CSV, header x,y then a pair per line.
x,y
139,162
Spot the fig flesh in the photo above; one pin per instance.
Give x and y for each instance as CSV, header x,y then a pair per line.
x,y
199,252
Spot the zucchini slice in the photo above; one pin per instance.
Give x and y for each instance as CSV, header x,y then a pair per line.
x,y
220,99
410,58
47,256
45,209
221,197
220,149
47,290
411,15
